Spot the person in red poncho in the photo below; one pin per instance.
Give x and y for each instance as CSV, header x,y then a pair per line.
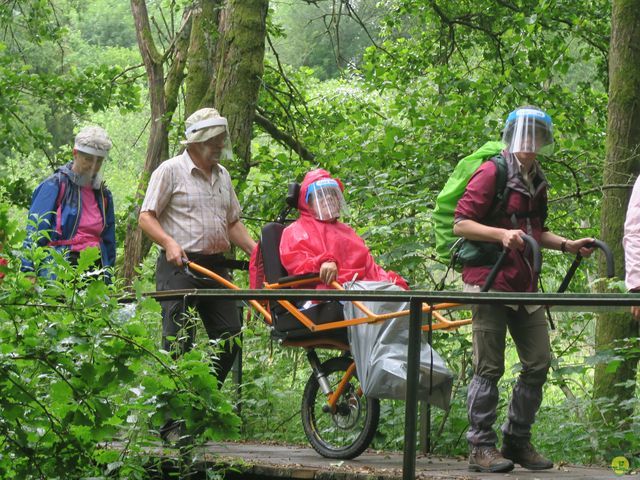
x,y
319,242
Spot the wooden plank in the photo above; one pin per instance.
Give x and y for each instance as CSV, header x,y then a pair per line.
x,y
295,462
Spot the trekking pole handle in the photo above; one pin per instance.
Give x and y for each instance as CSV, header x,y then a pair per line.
x,y
576,262
608,255
537,261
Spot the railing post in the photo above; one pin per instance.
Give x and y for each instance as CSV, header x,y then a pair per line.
x,y
425,407
430,341
411,401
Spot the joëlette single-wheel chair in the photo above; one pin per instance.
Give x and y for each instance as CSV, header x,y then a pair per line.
x,y
338,419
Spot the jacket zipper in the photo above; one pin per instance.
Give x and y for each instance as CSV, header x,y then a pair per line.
x,y
75,226
102,209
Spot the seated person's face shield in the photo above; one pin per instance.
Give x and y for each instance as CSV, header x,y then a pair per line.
x,y
529,130
325,200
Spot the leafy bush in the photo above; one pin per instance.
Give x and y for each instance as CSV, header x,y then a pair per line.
x,y
84,386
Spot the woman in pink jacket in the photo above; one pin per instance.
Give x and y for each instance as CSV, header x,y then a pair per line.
x,y
319,242
631,244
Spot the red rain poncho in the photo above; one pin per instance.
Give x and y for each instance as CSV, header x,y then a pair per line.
x,y
307,243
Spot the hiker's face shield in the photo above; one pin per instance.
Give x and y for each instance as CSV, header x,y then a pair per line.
x,y
215,148
87,164
325,200
529,130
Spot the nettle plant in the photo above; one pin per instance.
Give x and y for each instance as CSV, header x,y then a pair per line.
x,y
84,386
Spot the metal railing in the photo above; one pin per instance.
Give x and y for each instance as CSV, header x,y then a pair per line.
x,y
416,298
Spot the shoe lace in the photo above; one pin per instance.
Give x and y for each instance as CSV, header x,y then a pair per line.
x,y
492,453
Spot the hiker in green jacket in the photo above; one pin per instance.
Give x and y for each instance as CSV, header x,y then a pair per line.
x,y
528,133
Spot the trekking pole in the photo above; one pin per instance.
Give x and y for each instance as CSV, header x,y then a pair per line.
x,y
537,262
576,263
562,383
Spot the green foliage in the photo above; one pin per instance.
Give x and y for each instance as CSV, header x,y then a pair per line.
x,y
116,29
273,382
328,37
437,84
43,92
80,371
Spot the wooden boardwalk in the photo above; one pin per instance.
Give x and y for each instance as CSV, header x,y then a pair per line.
x,y
255,461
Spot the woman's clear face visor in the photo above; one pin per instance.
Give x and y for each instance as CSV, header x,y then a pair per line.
x,y
529,131
87,166
325,200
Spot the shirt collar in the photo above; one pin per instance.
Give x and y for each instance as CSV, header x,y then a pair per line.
x,y
188,161
521,167
532,173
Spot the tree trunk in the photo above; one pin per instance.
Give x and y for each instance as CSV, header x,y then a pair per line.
x,y
202,57
163,103
225,71
239,71
621,164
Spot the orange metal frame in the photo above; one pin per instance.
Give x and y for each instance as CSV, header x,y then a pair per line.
x,y
440,323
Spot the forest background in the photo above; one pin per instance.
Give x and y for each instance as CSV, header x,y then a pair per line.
x,y
387,95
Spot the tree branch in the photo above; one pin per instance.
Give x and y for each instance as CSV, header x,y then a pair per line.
x,y
148,50
283,138
584,193
176,73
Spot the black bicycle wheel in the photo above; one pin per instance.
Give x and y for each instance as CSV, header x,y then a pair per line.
x,y
348,431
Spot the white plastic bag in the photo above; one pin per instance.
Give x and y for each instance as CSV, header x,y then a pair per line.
x,y
380,352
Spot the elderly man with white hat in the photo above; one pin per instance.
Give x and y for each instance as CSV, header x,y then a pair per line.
x,y
191,211
72,209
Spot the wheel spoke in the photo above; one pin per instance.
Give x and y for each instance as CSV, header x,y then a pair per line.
x,y
348,430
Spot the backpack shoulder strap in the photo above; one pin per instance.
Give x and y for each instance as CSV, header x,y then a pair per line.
x,y
501,176
62,187
502,190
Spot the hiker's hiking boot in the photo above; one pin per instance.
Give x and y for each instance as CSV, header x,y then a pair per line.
x,y
524,454
488,459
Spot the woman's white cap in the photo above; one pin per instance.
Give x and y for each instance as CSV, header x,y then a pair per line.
x,y
93,140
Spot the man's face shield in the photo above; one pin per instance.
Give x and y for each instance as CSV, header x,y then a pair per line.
x,y
325,200
215,148
529,131
212,136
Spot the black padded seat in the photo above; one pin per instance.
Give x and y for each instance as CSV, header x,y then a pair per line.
x,y
270,243
285,325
